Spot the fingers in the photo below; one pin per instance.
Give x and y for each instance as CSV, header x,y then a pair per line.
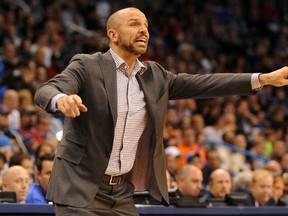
x,y
71,105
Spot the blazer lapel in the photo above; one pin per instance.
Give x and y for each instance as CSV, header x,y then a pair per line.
x,y
109,73
147,85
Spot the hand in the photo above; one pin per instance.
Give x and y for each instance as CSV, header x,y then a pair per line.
x,y
277,78
71,105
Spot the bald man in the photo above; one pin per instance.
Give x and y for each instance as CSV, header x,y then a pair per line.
x,y
220,184
16,179
189,181
115,108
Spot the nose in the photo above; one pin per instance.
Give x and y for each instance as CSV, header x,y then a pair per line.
x,y
144,30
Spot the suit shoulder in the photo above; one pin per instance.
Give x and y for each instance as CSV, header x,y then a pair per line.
x,y
153,65
85,56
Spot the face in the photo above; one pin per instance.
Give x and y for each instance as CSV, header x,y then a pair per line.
x,y
213,160
19,183
28,165
11,99
221,185
44,175
262,189
278,188
172,163
191,185
189,136
131,32
44,125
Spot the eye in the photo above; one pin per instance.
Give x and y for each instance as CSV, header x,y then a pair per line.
x,y
133,24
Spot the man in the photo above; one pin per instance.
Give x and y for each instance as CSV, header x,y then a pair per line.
x,y
37,190
189,181
220,184
172,160
116,145
11,101
16,179
189,144
213,162
261,188
5,129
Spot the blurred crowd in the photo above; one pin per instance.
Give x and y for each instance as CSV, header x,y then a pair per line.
x,y
238,136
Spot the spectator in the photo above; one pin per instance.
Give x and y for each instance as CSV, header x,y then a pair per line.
x,y
24,160
5,129
220,184
172,160
274,167
16,179
189,181
11,101
242,181
213,162
188,145
261,189
194,159
33,137
278,190
37,190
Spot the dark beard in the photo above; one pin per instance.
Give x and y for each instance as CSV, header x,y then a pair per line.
x,y
130,48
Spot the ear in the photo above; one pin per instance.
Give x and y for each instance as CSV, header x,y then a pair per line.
x,y
4,186
113,35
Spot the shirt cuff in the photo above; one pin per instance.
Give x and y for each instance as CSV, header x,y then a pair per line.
x,y
255,83
53,107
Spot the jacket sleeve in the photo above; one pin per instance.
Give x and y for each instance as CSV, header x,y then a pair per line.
x,y
67,82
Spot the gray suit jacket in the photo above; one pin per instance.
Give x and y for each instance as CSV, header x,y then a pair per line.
x,y
85,148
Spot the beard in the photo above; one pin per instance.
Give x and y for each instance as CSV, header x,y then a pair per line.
x,y
131,48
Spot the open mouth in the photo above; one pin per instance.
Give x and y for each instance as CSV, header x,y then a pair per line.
x,y
141,41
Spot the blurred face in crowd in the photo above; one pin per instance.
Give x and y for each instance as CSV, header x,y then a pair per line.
x,y
278,187
261,187
240,141
128,32
172,162
197,122
11,99
213,159
44,124
220,183
16,179
27,163
189,181
189,136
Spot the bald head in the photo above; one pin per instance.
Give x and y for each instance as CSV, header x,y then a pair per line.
x,y
116,18
127,30
16,179
189,181
220,183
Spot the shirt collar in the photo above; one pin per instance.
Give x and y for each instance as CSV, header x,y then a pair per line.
x,y
119,62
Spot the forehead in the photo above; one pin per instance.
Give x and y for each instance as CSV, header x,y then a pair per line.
x,y
133,15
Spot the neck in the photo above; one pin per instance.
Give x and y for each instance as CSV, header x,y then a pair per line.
x,y
128,58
